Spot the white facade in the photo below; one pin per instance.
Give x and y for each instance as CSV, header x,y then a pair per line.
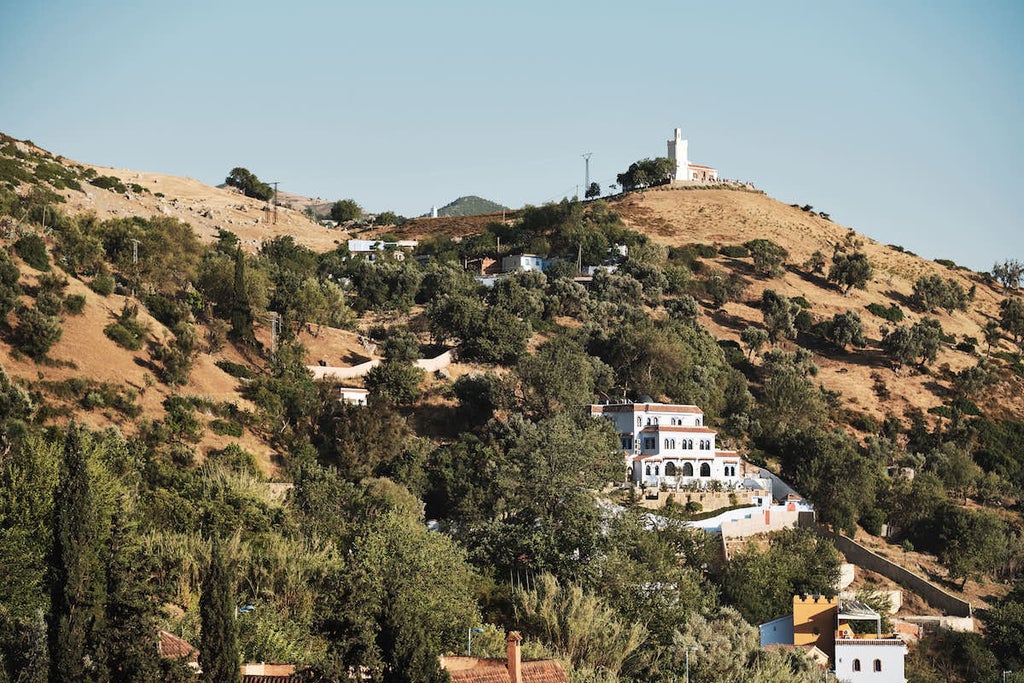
x,y
522,262
870,661
353,395
665,444
369,249
677,152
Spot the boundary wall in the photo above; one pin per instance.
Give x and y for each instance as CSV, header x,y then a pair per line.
x,y
863,557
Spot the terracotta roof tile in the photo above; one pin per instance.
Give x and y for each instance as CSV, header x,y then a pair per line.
x,y
171,646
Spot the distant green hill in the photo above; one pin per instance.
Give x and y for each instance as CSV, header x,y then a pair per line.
x,y
470,206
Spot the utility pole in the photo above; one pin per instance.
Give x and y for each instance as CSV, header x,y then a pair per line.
x,y
275,200
135,263
586,159
275,330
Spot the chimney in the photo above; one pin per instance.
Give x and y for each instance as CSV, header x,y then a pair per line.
x,y
515,664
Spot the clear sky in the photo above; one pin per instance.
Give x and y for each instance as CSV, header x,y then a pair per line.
x,y
902,119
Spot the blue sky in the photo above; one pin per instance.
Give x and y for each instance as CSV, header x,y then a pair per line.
x,y
903,120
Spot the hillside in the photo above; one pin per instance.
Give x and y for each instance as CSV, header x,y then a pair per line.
x,y
673,217
146,303
470,205
677,217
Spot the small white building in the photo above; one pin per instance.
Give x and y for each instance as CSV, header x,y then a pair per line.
x,y
370,249
353,396
678,150
668,445
827,624
522,262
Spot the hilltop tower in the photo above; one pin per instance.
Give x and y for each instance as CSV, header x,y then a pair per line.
x,y
677,152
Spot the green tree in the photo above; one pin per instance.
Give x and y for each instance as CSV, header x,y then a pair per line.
x,y
241,311
249,184
933,292
218,645
593,191
131,634
769,257
1011,318
9,287
816,263
779,315
388,218
394,382
846,329
761,583
345,210
970,543
36,332
1009,272
561,375
414,585
16,408
1004,630
754,338
645,173
78,626
850,270
362,443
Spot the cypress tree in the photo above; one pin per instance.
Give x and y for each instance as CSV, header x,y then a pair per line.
x,y
218,643
241,311
77,629
132,649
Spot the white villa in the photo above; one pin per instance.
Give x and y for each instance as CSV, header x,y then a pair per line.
x,y
666,444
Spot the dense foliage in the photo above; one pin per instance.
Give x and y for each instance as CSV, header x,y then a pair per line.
x,y
107,536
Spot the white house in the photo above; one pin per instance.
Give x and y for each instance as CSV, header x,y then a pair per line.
x,y
666,444
678,149
521,262
353,395
369,249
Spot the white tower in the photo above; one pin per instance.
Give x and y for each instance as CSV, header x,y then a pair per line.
x,y
677,152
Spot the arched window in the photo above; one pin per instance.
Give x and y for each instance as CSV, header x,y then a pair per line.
x,y
639,421
671,469
655,420
656,468
666,443
648,469
672,443
856,665
878,665
687,469
705,469
697,422
689,444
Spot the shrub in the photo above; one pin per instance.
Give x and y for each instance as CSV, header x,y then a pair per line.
x,y
734,251
36,332
103,284
236,459
128,331
49,303
32,249
74,304
109,182
235,369
225,428
705,250
893,313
